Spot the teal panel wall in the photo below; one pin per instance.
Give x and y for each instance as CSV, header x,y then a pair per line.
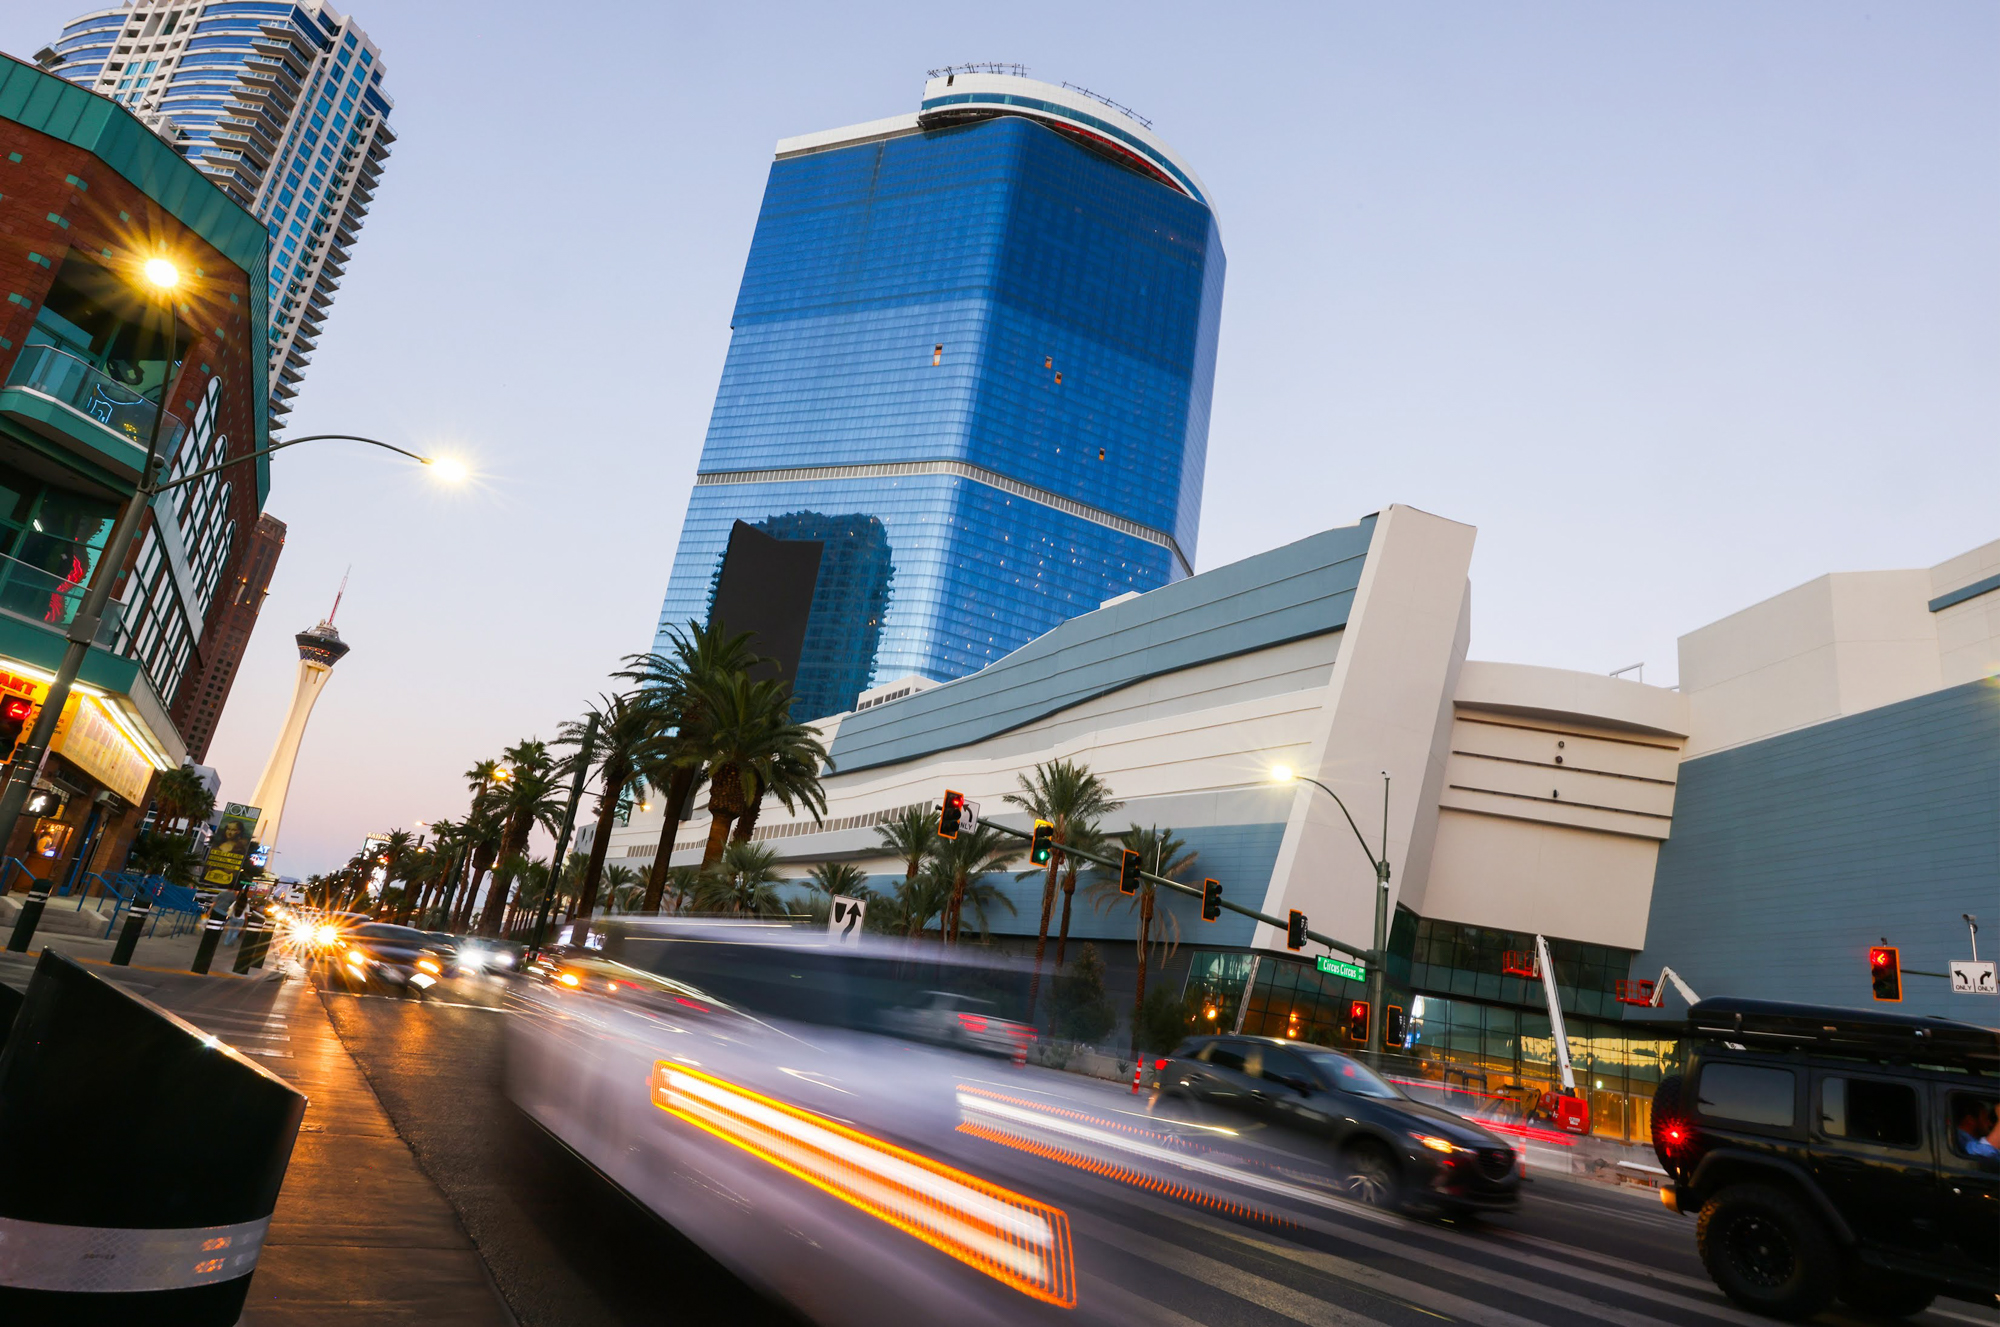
x,y
1791,856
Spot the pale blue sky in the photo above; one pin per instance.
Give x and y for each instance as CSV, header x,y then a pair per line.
x,y
1681,304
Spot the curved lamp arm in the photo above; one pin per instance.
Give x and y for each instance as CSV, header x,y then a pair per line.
x,y
280,446
1373,860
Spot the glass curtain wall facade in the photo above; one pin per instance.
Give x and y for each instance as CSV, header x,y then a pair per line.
x,y
281,104
987,352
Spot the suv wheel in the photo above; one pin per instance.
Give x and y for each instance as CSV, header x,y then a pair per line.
x,y
1766,1251
1884,1295
1371,1174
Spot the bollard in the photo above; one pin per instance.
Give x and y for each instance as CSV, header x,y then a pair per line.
x,y
250,943
211,936
166,1236
135,922
31,915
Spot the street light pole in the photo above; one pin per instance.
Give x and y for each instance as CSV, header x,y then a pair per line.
x,y
1378,958
163,277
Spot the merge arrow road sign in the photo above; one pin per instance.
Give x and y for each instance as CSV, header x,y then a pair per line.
x,y
844,922
1970,978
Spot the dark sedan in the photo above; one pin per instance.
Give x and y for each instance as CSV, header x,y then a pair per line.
x,y
1390,1150
381,953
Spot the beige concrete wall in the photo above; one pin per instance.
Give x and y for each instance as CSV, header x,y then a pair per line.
x,y
1551,878
1969,632
1838,645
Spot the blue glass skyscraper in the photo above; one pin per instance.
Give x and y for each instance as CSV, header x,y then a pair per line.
x,y
972,350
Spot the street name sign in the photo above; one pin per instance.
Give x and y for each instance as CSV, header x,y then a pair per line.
x,y
1340,967
1970,978
844,921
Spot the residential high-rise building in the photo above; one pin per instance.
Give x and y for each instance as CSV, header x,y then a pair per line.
x,y
206,690
279,103
972,352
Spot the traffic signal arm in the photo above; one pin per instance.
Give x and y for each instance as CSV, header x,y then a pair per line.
x,y
1193,891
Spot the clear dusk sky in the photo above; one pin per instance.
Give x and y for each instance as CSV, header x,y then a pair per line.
x,y
1680,303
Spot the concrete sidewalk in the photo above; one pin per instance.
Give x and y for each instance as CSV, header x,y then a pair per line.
x,y
360,1234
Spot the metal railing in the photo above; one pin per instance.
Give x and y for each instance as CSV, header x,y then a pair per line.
x,y
73,381
53,598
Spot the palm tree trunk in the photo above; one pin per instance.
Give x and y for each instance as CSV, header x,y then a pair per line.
x,y
718,837
958,882
1069,893
496,901
746,824
1042,935
679,785
607,812
1145,943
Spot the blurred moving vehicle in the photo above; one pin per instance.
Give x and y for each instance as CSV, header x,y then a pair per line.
x,y
1835,1151
401,958
968,1022
474,954
1387,1149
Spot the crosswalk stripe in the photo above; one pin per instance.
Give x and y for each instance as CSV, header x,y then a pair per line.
x,y
1607,1260
1130,1305
1279,1299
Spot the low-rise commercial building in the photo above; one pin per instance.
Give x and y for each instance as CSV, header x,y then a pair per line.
x,y
87,195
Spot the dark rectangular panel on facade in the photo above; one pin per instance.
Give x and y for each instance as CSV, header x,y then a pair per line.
x,y
766,588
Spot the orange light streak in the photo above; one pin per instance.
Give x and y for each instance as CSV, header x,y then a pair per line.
x,y
982,1225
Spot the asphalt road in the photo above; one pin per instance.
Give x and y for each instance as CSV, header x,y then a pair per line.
x,y
566,1248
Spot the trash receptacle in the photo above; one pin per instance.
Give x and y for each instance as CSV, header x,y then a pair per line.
x,y
140,1226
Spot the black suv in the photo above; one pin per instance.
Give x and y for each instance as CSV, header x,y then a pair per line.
x,y
1835,1151
1390,1150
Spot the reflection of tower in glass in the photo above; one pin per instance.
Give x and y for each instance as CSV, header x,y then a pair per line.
x,y
837,661
320,648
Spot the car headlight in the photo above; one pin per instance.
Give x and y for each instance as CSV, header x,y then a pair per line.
x,y
428,965
1435,1143
504,959
356,959
326,935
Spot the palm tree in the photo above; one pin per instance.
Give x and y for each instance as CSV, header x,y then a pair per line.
x,y
978,893
623,886
626,743
682,883
741,884
1072,799
914,904
183,798
483,828
838,879
172,857
700,658
751,745
394,857
1163,855
528,797
974,853
908,838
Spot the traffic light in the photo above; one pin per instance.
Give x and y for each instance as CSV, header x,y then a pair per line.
x,y
1044,845
14,712
1885,972
949,812
1295,930
1128,872
1392,1025
1211,900
1357,1022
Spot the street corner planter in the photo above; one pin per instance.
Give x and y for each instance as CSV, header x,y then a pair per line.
x,y
146,1228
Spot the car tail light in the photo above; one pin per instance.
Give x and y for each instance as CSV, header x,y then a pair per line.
x,y
972,1022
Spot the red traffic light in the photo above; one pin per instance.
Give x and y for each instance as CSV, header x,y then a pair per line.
x,y
16,707
949,813
1885,973
1357,1021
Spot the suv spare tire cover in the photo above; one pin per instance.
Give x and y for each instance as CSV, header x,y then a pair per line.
x,y
1666,1108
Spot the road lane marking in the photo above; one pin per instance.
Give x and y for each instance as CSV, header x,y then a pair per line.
x,y
1231,1280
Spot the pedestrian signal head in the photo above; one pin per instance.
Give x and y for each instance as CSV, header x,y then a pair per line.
x,y
1128,872
949,814
1295,930
1211,900
1043,846
1885,972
